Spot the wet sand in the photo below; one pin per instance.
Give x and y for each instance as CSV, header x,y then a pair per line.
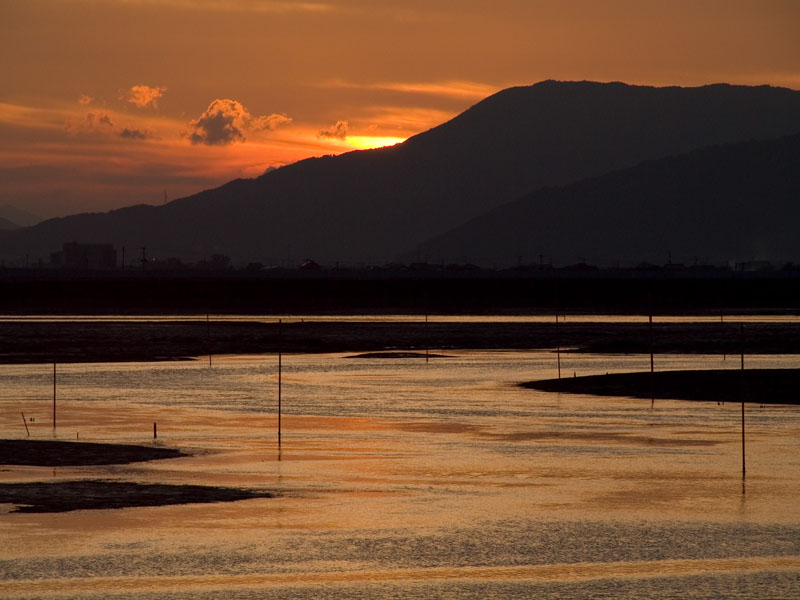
x,y
764,386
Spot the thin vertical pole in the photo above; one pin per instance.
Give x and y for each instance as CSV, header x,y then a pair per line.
x,y
155,431
426,337
280,369
54,399
26,424
558,348
652,362
722,331
208,338
741,392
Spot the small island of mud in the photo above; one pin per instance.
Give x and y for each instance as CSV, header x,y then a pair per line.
x,y
53,453
398,355
65,496
761,386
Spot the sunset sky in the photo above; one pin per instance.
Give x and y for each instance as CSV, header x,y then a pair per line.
x,y
107,103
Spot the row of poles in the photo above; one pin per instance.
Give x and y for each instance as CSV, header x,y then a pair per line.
x,y
652,373
558,362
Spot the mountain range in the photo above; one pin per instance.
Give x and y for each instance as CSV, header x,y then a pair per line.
x,y
737,202
400,202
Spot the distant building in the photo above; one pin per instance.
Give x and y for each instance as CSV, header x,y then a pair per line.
x,y
75,255
754,266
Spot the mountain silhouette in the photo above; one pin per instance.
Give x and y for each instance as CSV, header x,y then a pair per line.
x,y
19,217
372,205
7,224
734,202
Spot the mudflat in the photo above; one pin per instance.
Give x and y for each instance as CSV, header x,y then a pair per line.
x,y
764,386
65,496
42,342
53,453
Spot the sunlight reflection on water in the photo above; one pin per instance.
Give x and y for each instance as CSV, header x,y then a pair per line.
x,y
399,478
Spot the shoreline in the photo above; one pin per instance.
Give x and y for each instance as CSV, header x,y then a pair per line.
x,y
80,342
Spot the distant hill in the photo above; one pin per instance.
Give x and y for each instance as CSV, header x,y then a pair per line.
x,y
18,216
732,202
371,205
6,224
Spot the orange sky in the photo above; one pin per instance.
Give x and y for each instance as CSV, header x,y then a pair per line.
x,y
107,103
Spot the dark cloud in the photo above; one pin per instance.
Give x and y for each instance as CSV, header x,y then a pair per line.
x,y
134,134
95,121
227,121
223,122
338,131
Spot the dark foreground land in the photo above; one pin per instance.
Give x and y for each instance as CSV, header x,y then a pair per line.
x,y
64,496
762,386
51,453
47,342
427,291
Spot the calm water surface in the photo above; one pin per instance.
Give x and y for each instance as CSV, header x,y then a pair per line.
x,y
401,479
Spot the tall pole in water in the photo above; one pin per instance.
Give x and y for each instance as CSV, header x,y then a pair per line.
x,y
722,332
741,392
54,399
558,348
280,368
426,337
652,365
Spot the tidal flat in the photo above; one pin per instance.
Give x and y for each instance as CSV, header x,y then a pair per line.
x,y
405,478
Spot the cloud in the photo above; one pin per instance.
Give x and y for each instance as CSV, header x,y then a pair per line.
x,y
144,95
271,122
95,121
338,131
135,134
241,6
227,121
447,89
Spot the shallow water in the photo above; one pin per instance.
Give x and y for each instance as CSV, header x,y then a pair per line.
x,y
401,478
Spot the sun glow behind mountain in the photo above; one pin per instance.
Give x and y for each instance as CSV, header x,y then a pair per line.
x,y
178,96
367,142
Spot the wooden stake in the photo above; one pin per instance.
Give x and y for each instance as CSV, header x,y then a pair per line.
x,y
54,399
26,424
155,431
652,363
426,338
722,330
280,369
741,392
558,348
